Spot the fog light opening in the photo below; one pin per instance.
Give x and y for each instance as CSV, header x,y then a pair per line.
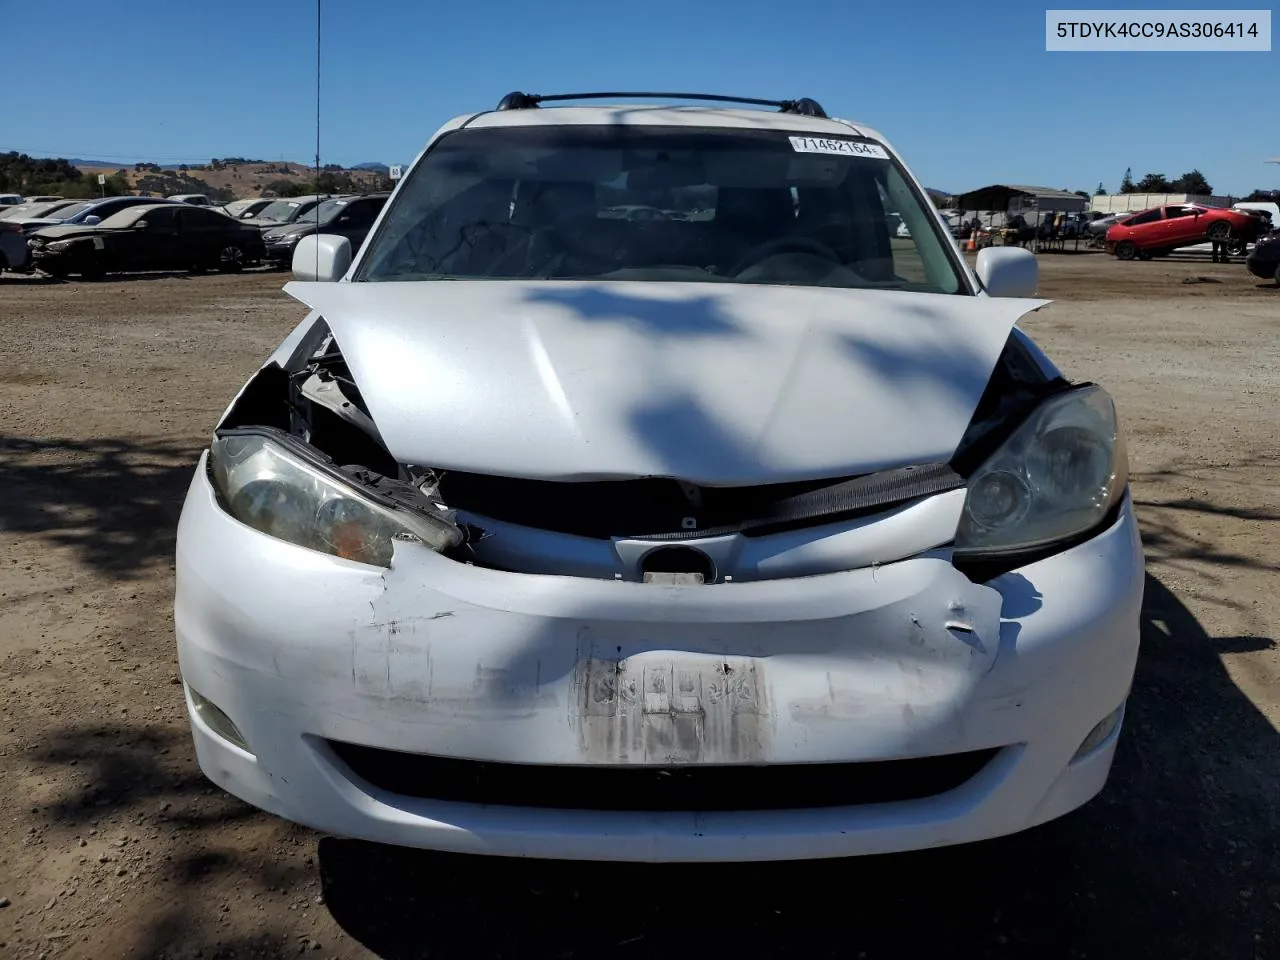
x,y
1101,733
217,721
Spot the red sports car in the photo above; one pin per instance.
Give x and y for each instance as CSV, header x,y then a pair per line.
x,y
1160,230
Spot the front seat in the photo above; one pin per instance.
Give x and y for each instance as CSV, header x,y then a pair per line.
x,y
557,214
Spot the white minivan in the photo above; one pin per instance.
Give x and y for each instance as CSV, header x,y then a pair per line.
x,y
766,534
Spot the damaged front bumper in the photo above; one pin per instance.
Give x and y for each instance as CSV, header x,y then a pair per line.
x,y
452,707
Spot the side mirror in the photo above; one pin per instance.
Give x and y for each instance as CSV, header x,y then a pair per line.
x,y
140,225
1008,271
321,257
91,220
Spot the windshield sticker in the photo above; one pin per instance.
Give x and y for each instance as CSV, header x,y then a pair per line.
x,y
841,148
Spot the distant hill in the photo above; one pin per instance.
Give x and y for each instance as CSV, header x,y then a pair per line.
x,y
77,162
233,179
374,165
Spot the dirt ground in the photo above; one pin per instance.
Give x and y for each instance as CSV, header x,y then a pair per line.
x,y
112,845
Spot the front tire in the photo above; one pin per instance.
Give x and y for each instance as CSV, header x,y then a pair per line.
x,y
1218,232
231,258
1125,250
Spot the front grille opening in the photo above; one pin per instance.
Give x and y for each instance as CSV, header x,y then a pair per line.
x,y
667,509
667,560
646,507
698,788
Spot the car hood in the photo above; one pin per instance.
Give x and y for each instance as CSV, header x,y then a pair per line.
x,y
288,229
712,383
66,231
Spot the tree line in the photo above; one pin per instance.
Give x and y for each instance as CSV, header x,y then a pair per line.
x,y
32,176
331,180
1193,181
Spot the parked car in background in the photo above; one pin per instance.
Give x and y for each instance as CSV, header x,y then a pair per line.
x,y
246,209
33,209
1161,230
48,216
89,212
1102,224
42,199
1264,259
14,254
287,210
156,236
193,199
1078,224
11,199
349,217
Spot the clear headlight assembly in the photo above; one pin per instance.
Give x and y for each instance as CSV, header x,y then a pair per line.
x,y
1057,477
279,486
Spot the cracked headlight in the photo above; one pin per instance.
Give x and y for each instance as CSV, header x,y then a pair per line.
x,y
273,485
58,245
1058,476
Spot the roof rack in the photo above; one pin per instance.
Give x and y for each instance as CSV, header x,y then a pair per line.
x,y
804,106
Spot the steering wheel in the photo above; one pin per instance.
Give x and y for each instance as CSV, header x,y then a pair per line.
x,y
782,245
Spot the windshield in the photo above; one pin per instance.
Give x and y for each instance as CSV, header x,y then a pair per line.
x,y
126,217
743,206
281,211
327,210
66,213
24,210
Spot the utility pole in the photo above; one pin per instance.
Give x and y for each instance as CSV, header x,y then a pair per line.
x,y
317,99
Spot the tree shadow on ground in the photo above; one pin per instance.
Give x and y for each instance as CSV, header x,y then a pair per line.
x,y
1177,858
144,779
115,501
1185,530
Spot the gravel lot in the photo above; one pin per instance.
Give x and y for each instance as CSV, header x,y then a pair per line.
x,y
112,845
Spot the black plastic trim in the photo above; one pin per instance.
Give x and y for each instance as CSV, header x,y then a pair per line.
x,y
663,509
633,787
804,106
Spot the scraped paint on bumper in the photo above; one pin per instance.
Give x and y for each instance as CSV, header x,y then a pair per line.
x,y
304,651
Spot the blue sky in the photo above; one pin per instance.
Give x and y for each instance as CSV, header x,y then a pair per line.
x,y
966,92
